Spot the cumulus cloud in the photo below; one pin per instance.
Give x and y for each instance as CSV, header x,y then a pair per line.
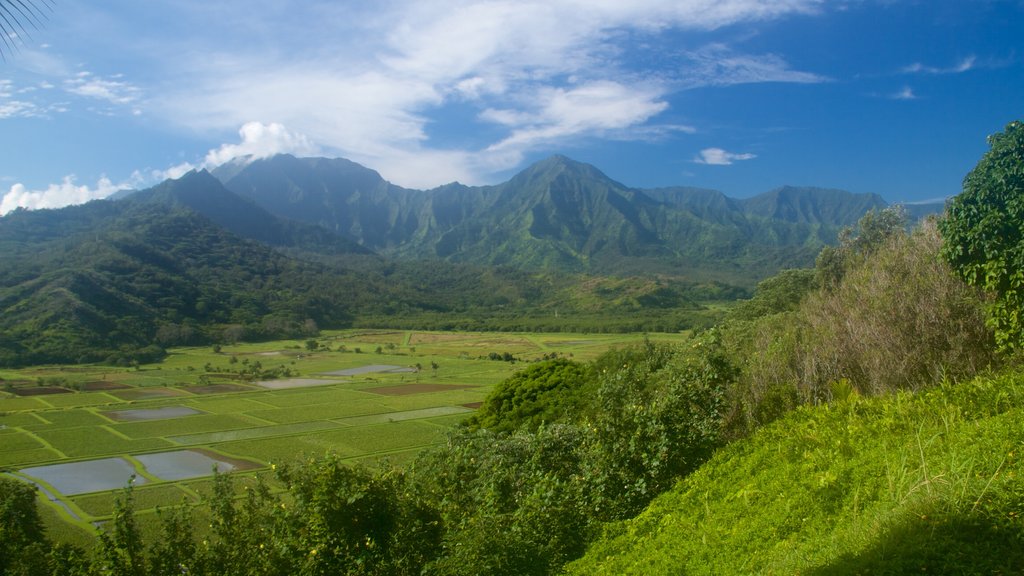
x,y
719,157
261,141
59,195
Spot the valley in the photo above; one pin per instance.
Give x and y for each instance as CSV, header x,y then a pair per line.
x,y
81,433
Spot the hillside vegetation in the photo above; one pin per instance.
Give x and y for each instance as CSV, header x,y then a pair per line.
x,y
911,483
860,417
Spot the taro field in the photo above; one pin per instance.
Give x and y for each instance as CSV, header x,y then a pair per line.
x,y
81,433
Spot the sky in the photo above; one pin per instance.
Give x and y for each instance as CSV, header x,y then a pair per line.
x,y
894,97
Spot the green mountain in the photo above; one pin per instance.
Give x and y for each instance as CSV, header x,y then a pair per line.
x,y
556,215
189,262
104,279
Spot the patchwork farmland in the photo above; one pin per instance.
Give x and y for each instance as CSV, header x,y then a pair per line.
x,y
81,433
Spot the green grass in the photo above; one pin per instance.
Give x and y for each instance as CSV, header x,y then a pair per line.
x,y
102,505
926,483
22,458
12,403
15,441
97,441
68,419
184,425
271,426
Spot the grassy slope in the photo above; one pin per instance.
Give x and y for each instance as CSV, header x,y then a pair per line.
x,y
926,483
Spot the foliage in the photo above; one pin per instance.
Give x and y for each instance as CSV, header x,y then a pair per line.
x,y
118,282
22,542
906,483
543,393
780,293
984,232
858,243
657,417
895,319
899,321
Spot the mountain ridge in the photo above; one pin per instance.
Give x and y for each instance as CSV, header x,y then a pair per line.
x,y
555,214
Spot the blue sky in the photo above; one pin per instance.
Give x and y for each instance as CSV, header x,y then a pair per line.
x,y
894,97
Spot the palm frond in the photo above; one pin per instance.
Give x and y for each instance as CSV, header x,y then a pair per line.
x,y
17,17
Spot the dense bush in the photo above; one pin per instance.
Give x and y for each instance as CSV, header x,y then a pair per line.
x,y
984,232
546,392
895,318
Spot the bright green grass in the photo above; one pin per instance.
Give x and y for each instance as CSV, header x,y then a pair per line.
x,y
225,405
449,421
12,403
68,419
320,412
14,441
252,433
79,399
181,426
275,450
20,419
22,458
387,437
97,441
58,529
311,396
430,399
928,483
407,415
271,426
146,497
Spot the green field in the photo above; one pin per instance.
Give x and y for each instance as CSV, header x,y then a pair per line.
x,y
362,418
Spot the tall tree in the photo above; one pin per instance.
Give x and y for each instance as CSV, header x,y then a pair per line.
x,y
983,232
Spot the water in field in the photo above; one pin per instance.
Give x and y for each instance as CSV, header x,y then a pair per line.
x,y
152,413
182,464
370,369
294,383
89,476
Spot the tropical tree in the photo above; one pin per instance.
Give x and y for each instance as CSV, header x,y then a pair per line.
x,y
16,17
983,232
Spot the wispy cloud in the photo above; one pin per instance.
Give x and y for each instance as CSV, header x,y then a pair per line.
x,y
907,93
964,65
719,157
541,71
367,81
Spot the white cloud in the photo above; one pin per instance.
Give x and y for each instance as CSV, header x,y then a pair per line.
x,y
601,107
111,90
719,65
536,72
719,157
260,141
59,195
907,93
964,65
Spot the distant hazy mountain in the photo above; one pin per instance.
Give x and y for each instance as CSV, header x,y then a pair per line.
x,y
556,214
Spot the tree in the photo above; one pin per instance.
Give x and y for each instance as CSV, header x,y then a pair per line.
x,y
15,15
983,232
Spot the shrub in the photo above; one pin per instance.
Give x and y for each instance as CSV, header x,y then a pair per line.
x,y
984,232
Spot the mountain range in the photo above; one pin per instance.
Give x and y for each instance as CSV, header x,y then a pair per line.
x,y
557,214
278,247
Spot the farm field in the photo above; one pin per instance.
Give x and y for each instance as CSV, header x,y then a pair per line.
x,y
83,432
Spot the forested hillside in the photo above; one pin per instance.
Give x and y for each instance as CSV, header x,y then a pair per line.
x,y
558,214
